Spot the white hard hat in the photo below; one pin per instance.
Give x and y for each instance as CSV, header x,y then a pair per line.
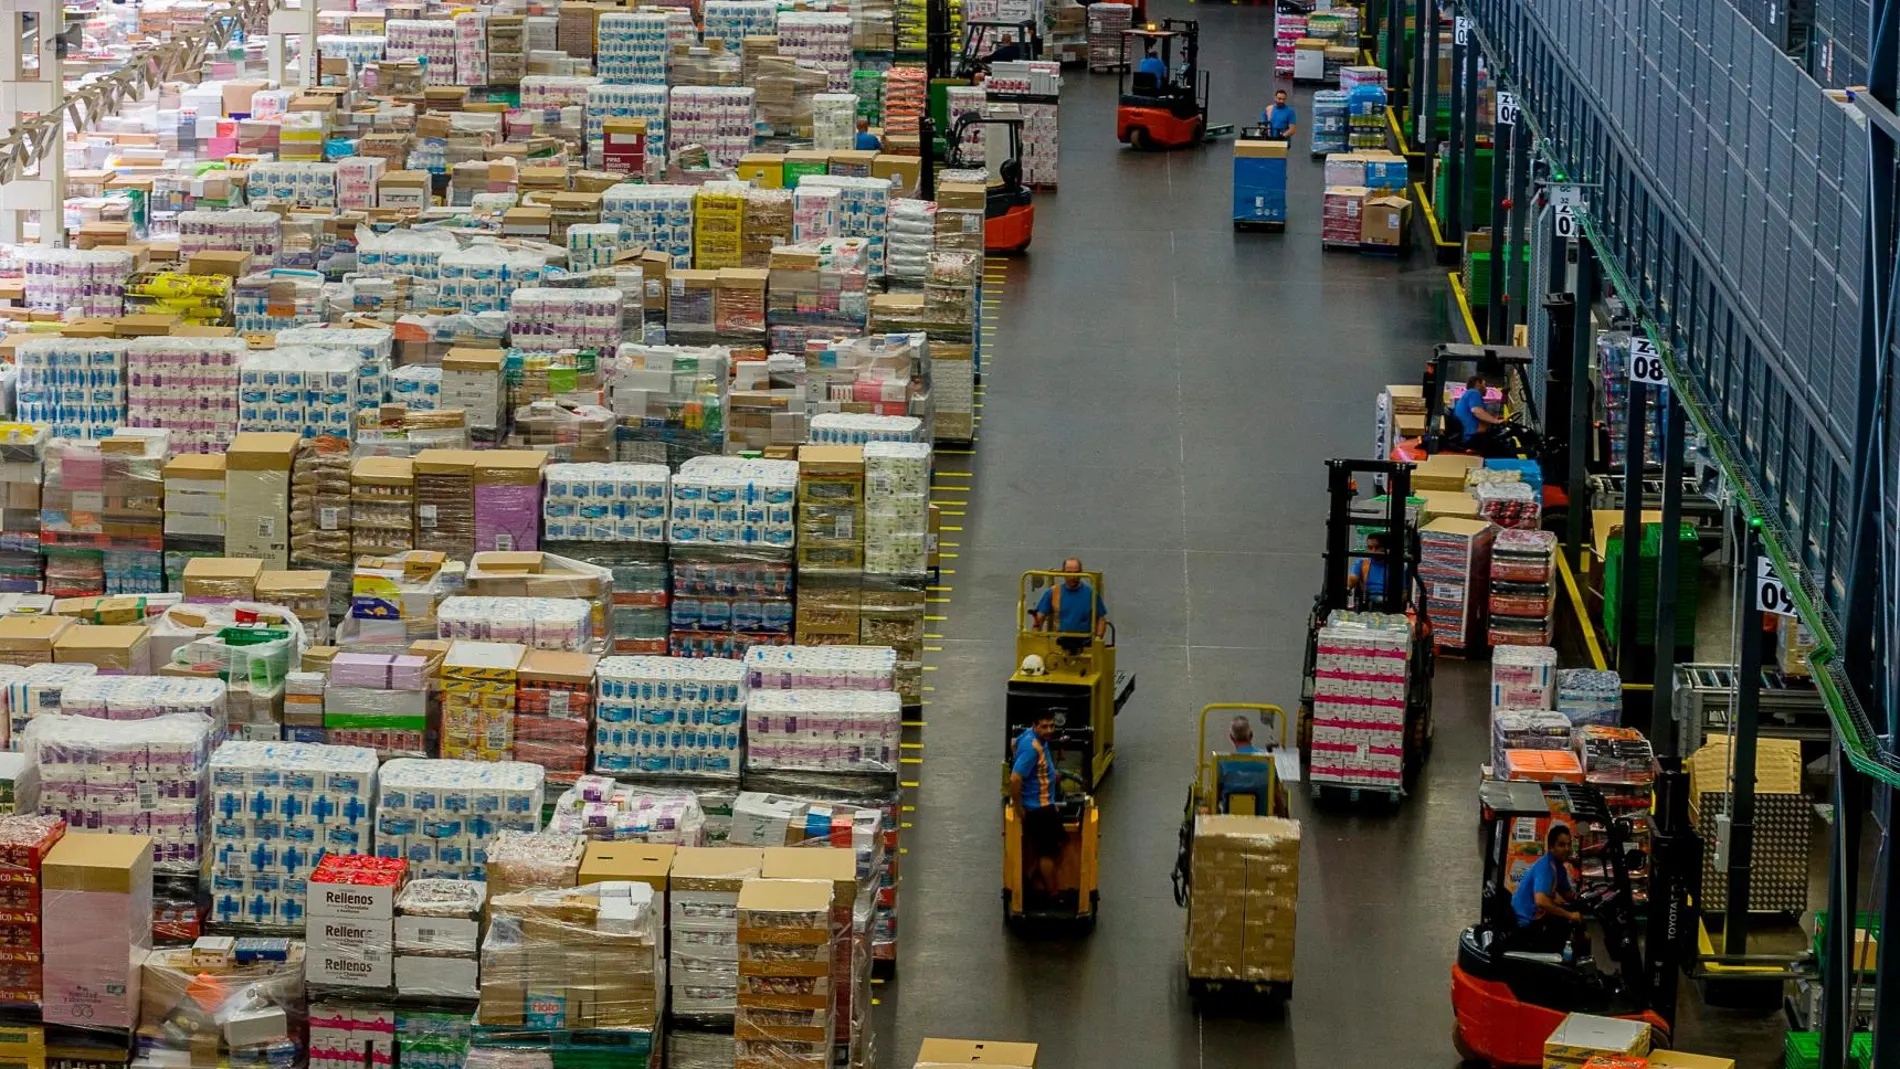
x,y
1032,665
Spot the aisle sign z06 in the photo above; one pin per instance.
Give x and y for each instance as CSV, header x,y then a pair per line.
x,y
1646,362
1461,31
1507,109
1771,594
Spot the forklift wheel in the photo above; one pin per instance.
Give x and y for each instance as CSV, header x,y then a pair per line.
x,y
1138,139
1466,1056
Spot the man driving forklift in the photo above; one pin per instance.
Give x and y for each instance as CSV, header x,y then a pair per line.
x,y
1067,605
1476,421
1545,900
1032,792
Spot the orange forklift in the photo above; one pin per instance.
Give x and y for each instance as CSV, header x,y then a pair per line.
x,y
1009,217
1169,111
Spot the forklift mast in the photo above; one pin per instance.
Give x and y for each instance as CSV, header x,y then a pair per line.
x,y
1399,555
939,41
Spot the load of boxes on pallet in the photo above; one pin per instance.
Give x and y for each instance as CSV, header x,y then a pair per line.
x,y
1583,1041
464,538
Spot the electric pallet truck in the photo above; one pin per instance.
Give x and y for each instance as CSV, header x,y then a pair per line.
x,y
1071,678
1009,214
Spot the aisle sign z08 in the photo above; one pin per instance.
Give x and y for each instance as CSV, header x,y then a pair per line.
x,y
1646,362
1771,594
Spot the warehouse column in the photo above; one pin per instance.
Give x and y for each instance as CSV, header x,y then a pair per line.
x,y
1516,302
1453,207
1887,967
1396,57
1503,135
1582,347
1843,882
1425,120
1663,734
1745,722
22,97
1469,97
1627,632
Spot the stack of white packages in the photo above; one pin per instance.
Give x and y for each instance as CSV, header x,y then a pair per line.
x,y
864,211
1523,677
471,48
361,49
356,178
896,508
432,41
88,282
276,807
482,277
38,689
632,50
732,21
545,319
1526,729
718,118
546,91
733,501
135,777
440,816
189,385
299,183
74,385
656,217
820,667
1359,700
834,121
821,37
913,232
853,428
232,230
368,347
417,387
839,731
1589,696
540,623
598,808
591,246
961,99
311,392
671,716
142,697
412,254
618,502
815,212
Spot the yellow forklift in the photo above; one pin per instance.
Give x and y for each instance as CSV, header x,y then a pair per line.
x,y
1069,678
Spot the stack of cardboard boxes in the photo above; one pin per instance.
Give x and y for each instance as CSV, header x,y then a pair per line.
x,y
573,958
1582,1039
983,1053
786,992
1246,886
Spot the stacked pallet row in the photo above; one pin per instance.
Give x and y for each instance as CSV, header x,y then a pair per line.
x,y
1106,23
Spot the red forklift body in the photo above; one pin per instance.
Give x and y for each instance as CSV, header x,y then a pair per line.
x,y
1010,232
1157,128
1499,1029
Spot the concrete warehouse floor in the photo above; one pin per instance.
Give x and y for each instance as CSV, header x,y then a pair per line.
x,y
1161,395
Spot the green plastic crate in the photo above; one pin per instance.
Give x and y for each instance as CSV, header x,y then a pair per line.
x,y
1865,919
1688,586
1802,1050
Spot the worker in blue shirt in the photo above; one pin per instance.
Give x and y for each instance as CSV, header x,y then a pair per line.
x,y
1032,793
1281,121
1152,64
867,141
1368,575
1067,605
1475,420
1241,735
1544,900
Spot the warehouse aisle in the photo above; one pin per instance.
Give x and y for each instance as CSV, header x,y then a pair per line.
x,y
1162,396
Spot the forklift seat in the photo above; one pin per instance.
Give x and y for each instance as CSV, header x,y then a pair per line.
x,y
1244,779
1142,84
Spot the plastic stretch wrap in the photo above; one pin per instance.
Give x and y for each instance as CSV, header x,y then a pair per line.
x,y
549,576
253,1013
438,940
186,385
103,934
669,716
599,808
554,712
567,432
441,815
867,668
137,777
1526,729
1589,696
671,402
523,861
731,501
583,957
142,698
301,390
478,700
724,602
25,840
1523,677
703,897
86,484
1245,883
34,690
320,503
276,808
542,623
624,502
824,730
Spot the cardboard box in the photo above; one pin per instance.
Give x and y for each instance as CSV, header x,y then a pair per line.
x,y
257,495
904,173
648,863
1582,1036
1383,219
231,264
987,1053
115,649
837,866
765,170
962,196
222,578
96,905
28,640
1262,150
1675,1059
1443,471
403,189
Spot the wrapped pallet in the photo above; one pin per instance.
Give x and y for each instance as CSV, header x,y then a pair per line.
x,y
1246,886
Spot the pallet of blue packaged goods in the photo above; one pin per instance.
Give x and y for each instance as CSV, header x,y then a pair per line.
x,y
1259,185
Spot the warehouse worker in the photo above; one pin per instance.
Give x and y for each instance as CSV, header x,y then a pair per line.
x,y
1281,121
1007,52
1544,901
1032,791
867,141
1067,604
1241,735
1368,575
1475,420
1153,66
